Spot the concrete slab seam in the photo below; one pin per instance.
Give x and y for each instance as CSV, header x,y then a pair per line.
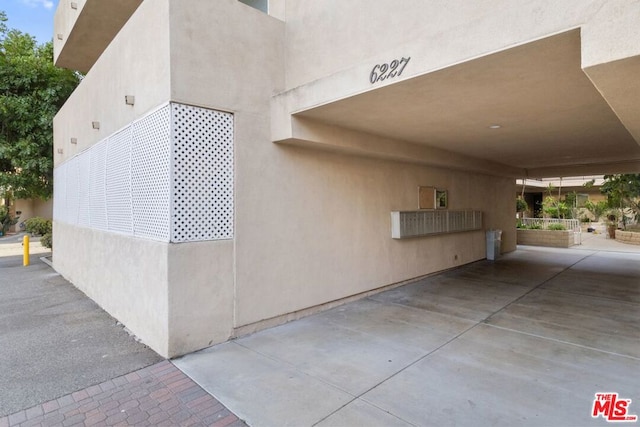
x,y
486,320
563,342
359,397
355,398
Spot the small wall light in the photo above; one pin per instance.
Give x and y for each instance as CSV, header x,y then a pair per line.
x,y
59,150
129,99
74,5
74,140
59,36
95,125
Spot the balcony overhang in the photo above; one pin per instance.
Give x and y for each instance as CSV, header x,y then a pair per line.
x,y
84,29
530,110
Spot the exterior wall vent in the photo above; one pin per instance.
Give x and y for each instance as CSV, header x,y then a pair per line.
x,y
168,176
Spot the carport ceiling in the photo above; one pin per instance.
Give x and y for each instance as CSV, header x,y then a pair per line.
x,y
549,112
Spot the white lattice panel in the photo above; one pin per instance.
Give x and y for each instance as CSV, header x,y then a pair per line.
x,y
59,192
202,205
168,176
84,169
151,175
118,172
98,185
73,191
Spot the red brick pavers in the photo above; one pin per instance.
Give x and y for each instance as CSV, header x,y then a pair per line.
x,y
158,395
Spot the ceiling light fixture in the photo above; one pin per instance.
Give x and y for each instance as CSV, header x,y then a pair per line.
x,y
495,127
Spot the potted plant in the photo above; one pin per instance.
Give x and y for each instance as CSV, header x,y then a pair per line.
x,y
612,225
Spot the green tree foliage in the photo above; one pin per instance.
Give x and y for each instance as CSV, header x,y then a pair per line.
x,y
521,205
623,193
32,90
597,209
554,207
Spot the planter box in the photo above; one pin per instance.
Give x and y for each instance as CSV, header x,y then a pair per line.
x,y
631,237
551,238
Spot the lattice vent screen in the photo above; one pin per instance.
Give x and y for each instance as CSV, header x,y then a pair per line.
x,y
151,175
167,176
202,174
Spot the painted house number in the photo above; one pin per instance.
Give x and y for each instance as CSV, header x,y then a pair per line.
x,y
381,72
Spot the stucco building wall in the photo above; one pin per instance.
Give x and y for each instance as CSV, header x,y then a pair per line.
x,y
311,222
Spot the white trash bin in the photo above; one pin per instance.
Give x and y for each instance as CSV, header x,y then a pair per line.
x,y
494,240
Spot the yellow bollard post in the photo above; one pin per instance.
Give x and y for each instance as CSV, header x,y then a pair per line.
x,y
25,251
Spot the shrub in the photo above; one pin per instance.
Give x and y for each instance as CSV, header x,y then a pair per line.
x,y
535,227
38,226
46,240
556,227
6,220
521,205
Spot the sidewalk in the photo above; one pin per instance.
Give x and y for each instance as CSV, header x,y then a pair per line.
x,y
159,395
65,362
601,242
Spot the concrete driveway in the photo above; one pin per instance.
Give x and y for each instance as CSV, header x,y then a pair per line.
x,y
526,340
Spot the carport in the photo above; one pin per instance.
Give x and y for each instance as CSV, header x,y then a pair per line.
x,y
526,340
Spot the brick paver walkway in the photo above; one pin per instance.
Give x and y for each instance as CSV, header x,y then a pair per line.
x,y
158,395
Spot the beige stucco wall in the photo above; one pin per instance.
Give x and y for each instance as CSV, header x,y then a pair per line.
x,y
338,206
216,63
200,294
126,276
311,226
324,230
437,34
34,208
63,22
192,291
135,63
176,298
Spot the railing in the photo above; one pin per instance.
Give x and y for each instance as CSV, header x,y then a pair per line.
x,y
543,223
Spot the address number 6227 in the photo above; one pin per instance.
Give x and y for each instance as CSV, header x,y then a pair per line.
x,y
381,72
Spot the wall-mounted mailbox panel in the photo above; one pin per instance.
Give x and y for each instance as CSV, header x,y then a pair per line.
x,y
405,224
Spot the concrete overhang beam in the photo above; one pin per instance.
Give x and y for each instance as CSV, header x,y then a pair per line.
x,y
317,135
83,30
527,110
